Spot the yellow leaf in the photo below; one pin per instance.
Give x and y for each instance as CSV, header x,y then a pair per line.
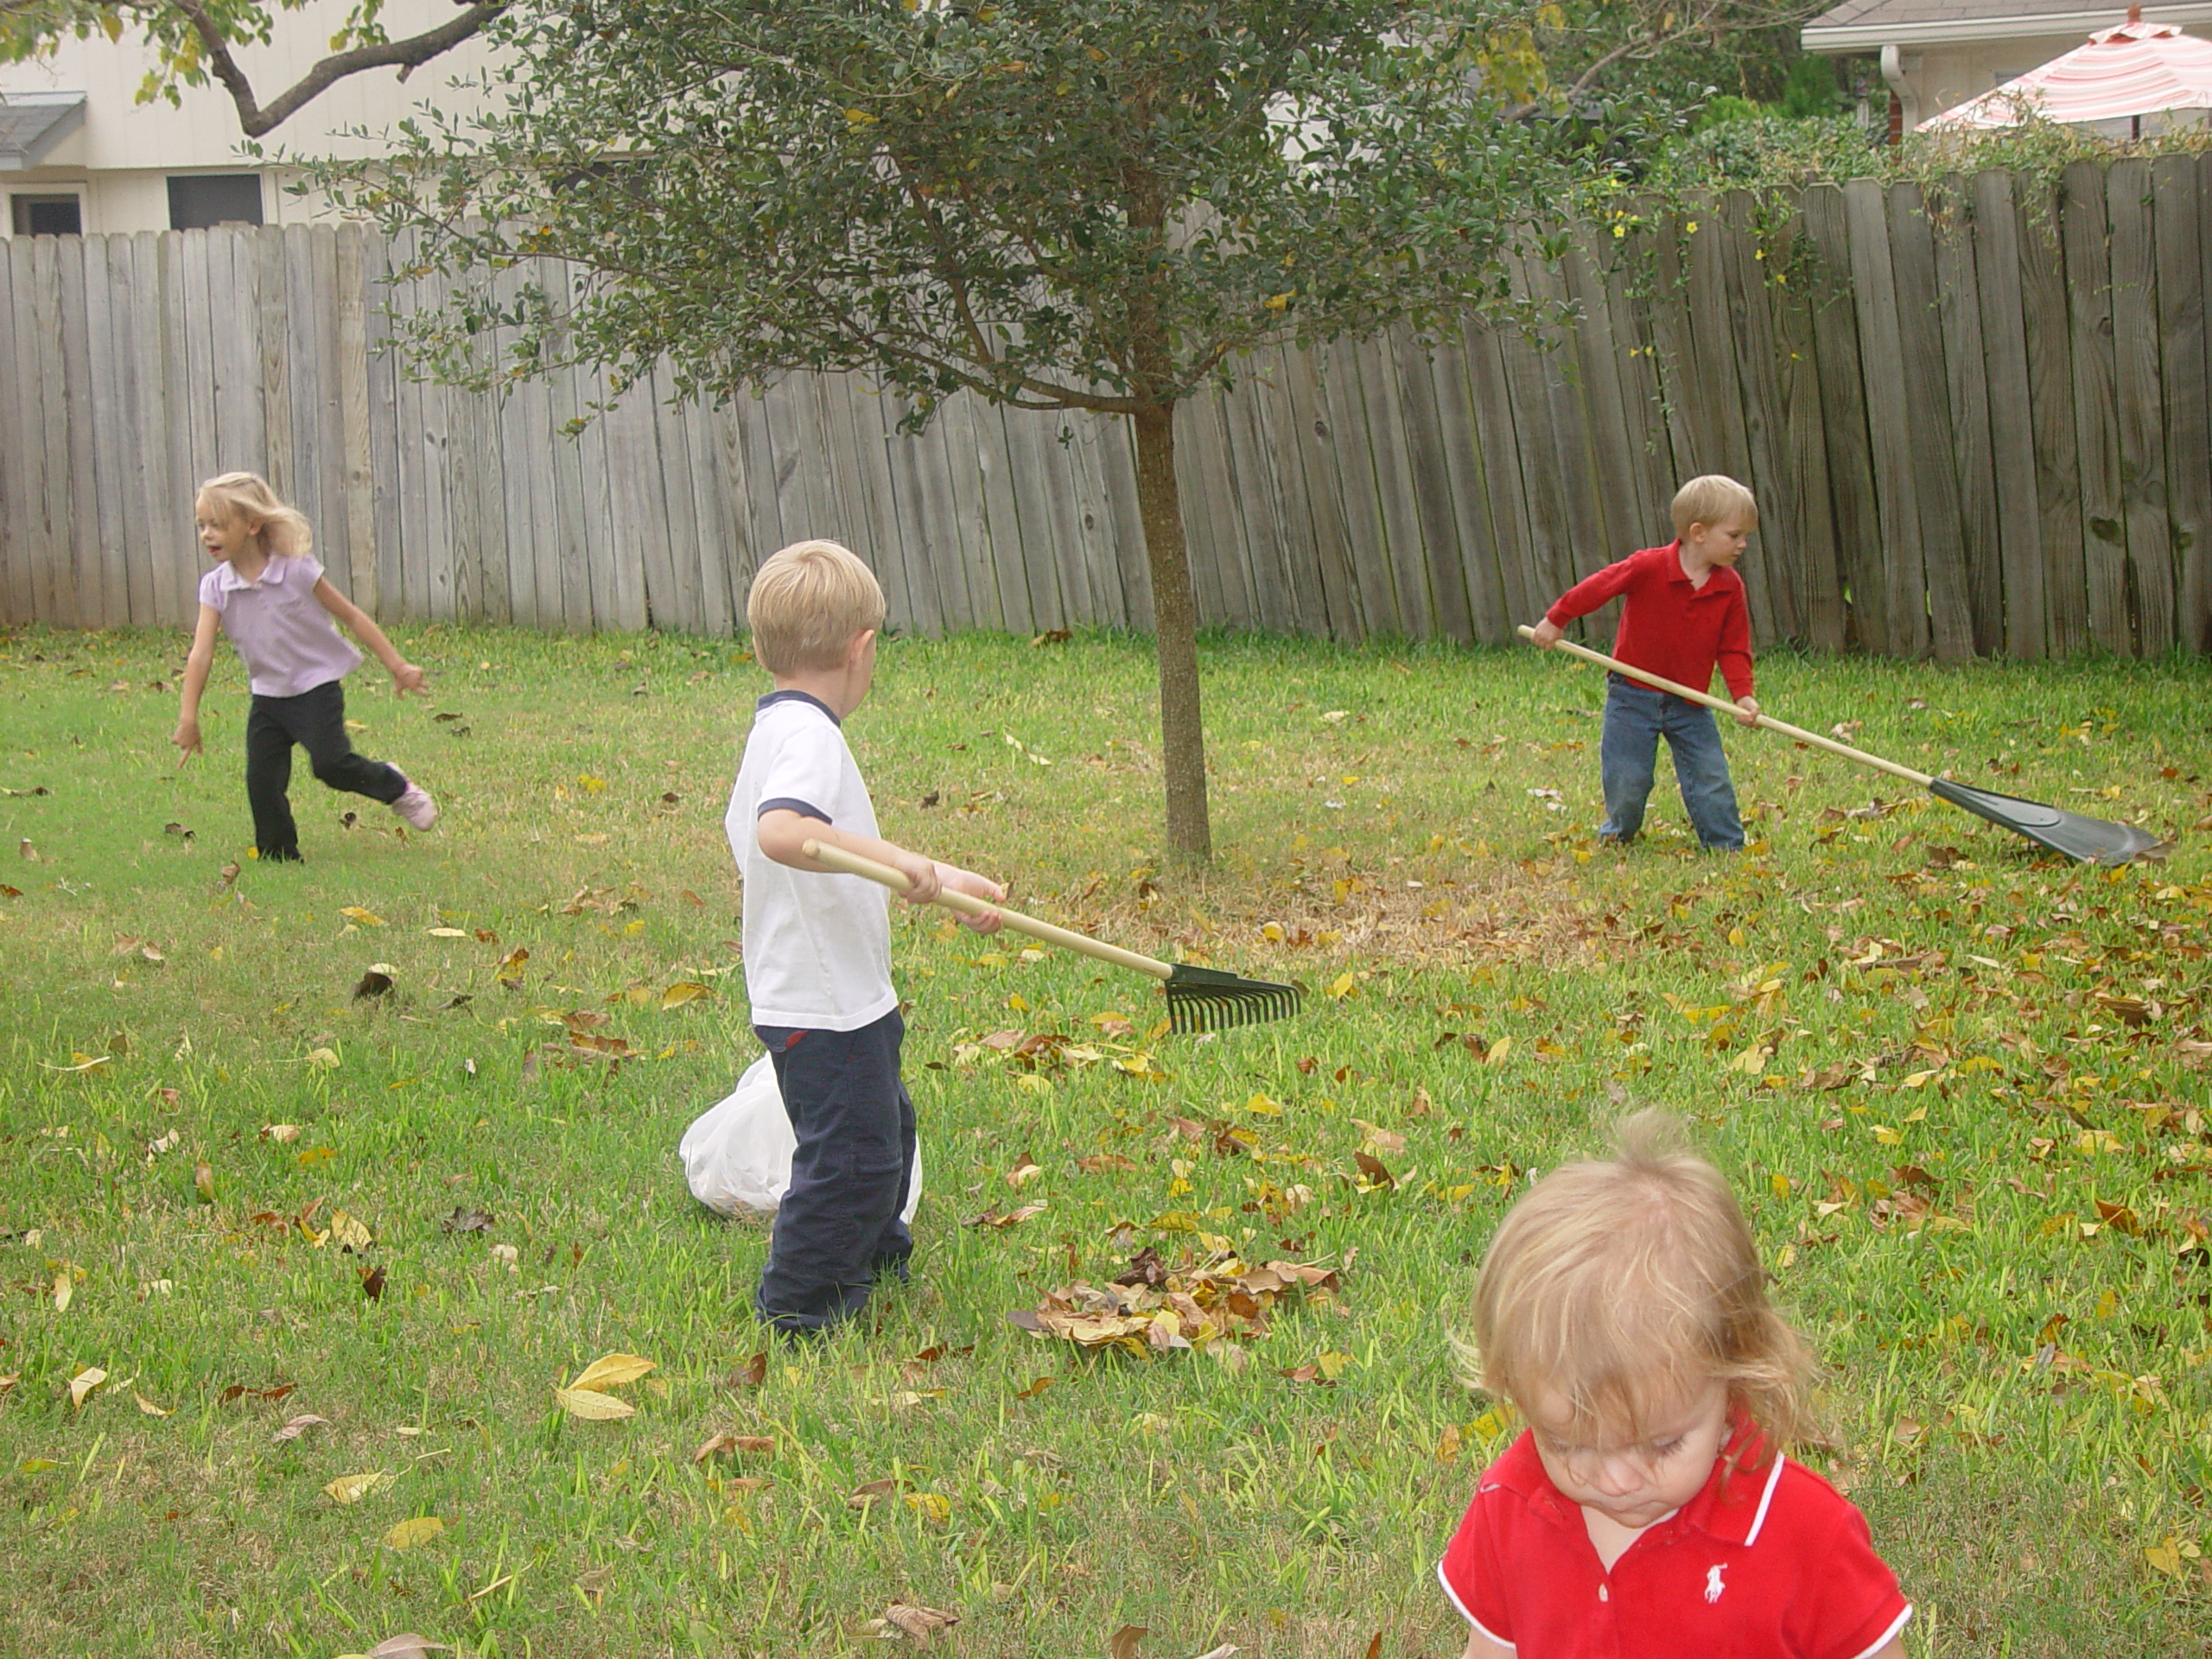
x,y
448,932
408,1533
352,1489
1264,1106
612,1370
283,1133
365,918
591,786
1343,985
1886,1135
323,1057
349,1232
1334,1364
83,1384
148,1405
592,1406
1498,1051
2164,1557
64,1289
930,1505
685,990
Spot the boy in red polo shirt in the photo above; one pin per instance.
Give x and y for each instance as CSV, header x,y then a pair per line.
x,y
1683,613
1647,1510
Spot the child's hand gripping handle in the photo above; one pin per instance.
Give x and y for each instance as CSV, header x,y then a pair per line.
x,y
1679,690
837,858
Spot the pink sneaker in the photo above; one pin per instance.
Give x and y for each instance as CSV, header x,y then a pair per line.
x,y
416,806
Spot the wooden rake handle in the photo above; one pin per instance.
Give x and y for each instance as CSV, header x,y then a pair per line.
x,y
1798,733
837,858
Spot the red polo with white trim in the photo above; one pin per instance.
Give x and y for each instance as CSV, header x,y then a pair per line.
x,y
1668,624
1770,1563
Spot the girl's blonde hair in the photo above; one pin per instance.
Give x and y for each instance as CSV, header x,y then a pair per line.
x,y
284,529
806,604
1713,499
1622,1286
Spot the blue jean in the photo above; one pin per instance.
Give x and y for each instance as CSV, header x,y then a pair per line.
x,y
1637,717
838,1225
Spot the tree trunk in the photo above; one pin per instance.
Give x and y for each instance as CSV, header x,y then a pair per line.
x,y
1175,631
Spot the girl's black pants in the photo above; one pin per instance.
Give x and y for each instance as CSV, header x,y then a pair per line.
x,y
315,720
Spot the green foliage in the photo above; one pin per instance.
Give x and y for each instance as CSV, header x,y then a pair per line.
x,y
1810,91
29,27
1081,204
1959,1088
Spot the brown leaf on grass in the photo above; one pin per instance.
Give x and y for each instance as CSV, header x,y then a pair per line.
x,y
376,981
593,1406
510,970
372,1283
1188,1305
875,1491
991,1218
1122,1644
751,1375
683,991
240,1391
149,1406
464,1220
1377,1178
82,1384
297,1427
1375,1646
920,1623
406,1645
352,1489
1035,1388
1026,1170
1383,1139
612,1370
1104,1163
203,1181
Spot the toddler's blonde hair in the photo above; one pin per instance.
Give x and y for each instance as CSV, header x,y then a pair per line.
x,y
1625,1285
807,603
284,529
1712,499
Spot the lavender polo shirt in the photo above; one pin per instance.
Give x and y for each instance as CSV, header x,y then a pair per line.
x,y
289,643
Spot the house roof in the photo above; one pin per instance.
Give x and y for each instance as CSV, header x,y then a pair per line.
x,y
31,123
1869,25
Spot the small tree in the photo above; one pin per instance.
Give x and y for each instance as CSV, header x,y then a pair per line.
x,y
195,42
1053,204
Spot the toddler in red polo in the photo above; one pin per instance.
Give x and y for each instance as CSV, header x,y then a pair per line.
x,y
1682,615
1648,1508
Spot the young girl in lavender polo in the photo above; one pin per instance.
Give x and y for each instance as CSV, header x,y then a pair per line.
x,y
269,595
1648,1508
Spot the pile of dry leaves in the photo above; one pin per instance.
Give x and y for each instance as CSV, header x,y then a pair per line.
x,y
1155,1307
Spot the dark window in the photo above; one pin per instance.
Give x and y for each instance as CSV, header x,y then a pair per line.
x,y
49,216
202,200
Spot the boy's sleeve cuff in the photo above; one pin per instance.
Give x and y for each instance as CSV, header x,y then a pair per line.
x,y
792,803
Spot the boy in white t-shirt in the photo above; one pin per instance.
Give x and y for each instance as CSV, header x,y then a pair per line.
x,y
817,943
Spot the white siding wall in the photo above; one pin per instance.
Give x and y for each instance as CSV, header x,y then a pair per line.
x,y
121,158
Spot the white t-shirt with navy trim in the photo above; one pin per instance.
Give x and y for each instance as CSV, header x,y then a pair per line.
x,y
817,946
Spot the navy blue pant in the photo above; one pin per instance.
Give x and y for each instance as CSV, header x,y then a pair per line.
x,y
838,1225
1637,717
315,719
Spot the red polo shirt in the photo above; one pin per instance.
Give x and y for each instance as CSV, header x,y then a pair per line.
x,y
1772,1563
1668,625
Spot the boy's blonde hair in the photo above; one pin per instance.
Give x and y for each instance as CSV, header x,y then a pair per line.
x,y
807,603
284,529
1625,1285
1713,499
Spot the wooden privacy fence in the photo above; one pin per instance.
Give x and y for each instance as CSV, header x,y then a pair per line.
x,y
1975,425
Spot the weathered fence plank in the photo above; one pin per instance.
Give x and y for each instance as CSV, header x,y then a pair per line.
x,y
1927,409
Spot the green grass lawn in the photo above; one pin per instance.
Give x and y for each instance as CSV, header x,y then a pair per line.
x,y
1954,1083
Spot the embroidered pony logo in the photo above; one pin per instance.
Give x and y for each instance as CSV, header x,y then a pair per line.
x,y
1712,1584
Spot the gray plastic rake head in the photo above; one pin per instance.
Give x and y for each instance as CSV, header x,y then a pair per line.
x,y
2093,840
1206,999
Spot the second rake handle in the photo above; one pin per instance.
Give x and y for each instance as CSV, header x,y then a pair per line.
x,y
837,858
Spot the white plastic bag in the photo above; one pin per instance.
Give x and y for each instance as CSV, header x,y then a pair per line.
x,y
737,1155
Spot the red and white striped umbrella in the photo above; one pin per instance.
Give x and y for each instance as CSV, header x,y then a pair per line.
x,y
2136,69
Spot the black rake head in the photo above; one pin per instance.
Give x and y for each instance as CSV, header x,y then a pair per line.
x,y
2092,841
1206,999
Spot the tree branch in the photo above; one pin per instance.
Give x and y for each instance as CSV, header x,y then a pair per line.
x,y
409,53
